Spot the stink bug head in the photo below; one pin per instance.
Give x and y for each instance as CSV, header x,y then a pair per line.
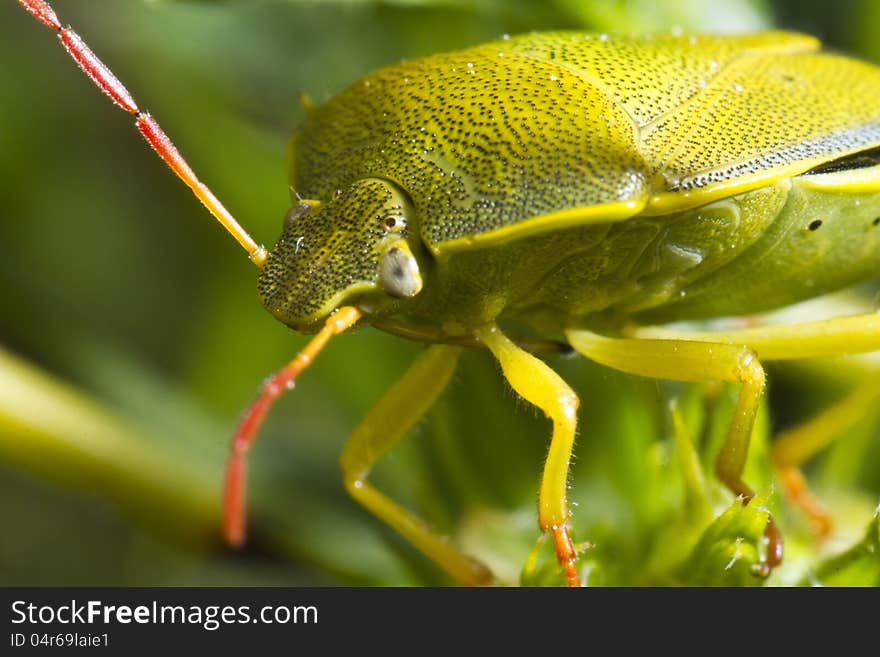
x,y
355,248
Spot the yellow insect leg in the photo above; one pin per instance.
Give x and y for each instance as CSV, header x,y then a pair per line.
x,y
541,386
683,360
798,444
837,336
795,446
854,334
386,423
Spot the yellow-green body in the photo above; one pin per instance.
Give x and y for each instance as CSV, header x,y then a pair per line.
x,y
570,187
741,255
574,188
561,180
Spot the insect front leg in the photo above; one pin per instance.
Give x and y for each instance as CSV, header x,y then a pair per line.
x,y
234,488
539,385
683,360
387,422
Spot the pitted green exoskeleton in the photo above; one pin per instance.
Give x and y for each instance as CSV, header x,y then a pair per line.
x,y
357,243
567,190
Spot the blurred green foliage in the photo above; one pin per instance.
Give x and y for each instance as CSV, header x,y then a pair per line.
x,y
138,339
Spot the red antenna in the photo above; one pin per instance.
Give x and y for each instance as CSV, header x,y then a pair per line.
x,y
338,322
146,124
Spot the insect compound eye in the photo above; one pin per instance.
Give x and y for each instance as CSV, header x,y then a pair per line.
x,y
394,223
399,272
296,212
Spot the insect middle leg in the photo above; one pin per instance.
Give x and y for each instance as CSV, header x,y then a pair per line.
x,y
538,384
386,423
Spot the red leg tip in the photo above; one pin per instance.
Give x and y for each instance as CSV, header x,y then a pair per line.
x,y
774,545
567,555
774,555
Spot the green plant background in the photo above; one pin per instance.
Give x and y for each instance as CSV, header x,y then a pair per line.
x,y
131,337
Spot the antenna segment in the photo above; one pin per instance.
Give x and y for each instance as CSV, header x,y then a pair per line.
x,y
107,82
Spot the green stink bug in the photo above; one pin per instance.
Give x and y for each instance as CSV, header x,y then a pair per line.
x,y
462,191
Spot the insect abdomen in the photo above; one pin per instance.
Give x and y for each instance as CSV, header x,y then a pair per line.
x,y
757,251
821,240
